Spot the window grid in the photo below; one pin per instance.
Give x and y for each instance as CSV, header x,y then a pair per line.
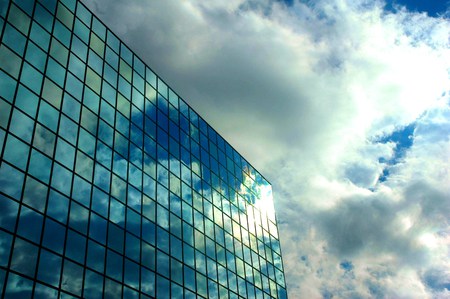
x,y
224,186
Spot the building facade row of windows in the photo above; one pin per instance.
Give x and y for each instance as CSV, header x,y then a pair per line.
x,y
111,180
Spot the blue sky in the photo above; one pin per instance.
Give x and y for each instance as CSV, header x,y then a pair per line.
x,y
343,105
433,8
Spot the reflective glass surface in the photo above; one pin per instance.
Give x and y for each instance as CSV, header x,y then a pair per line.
x,y
111,185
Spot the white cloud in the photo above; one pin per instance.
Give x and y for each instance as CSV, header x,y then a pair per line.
x,y
302,92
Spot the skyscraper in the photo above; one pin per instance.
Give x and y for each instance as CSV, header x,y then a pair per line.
x,y
110,184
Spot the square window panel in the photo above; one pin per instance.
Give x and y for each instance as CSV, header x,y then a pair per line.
x,y
24,257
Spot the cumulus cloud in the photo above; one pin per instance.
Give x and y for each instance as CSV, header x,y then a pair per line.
x,y
306,92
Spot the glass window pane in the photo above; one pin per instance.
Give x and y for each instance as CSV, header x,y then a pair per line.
x,y
25,289
21,125
116,236
54,235
72,278
19,19
75,246
24,257
132,247
44,140
49,268
65,153
5,245
131,276
35,194
43,17
78,218
40,36
9,61
59,52
58,206
93,284
7,86
30,224
114,265
71,107
11,181
40,166
44,292
36,56
16,152
148,282
48,116
65,16
57,73
27,101
81,191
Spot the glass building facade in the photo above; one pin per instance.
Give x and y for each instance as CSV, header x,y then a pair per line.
x,y
110,184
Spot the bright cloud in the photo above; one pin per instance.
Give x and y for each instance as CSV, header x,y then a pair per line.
x,y
306,92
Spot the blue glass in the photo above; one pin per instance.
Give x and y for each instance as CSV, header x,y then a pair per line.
x,y
148,282
95,62
84,15
132,247
78,217
79,48
133,222
18,287
118,185
122,124
30,77
102,177
4,8
84,167
75,87
163,287
58,206
148,231
116,236
81,30
117,212
71,281
100,201
113,60
106,134
114,265
98,228
14,39
55,72
16,152
54,235
40,166
131,275
49,268
75,246
65,153
35,194
44,292
77,67
121,146
124,87
81,190
113,289
93,285
44,140
69,4
5,245
24,257
86,142
48,116
40,36
99,28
